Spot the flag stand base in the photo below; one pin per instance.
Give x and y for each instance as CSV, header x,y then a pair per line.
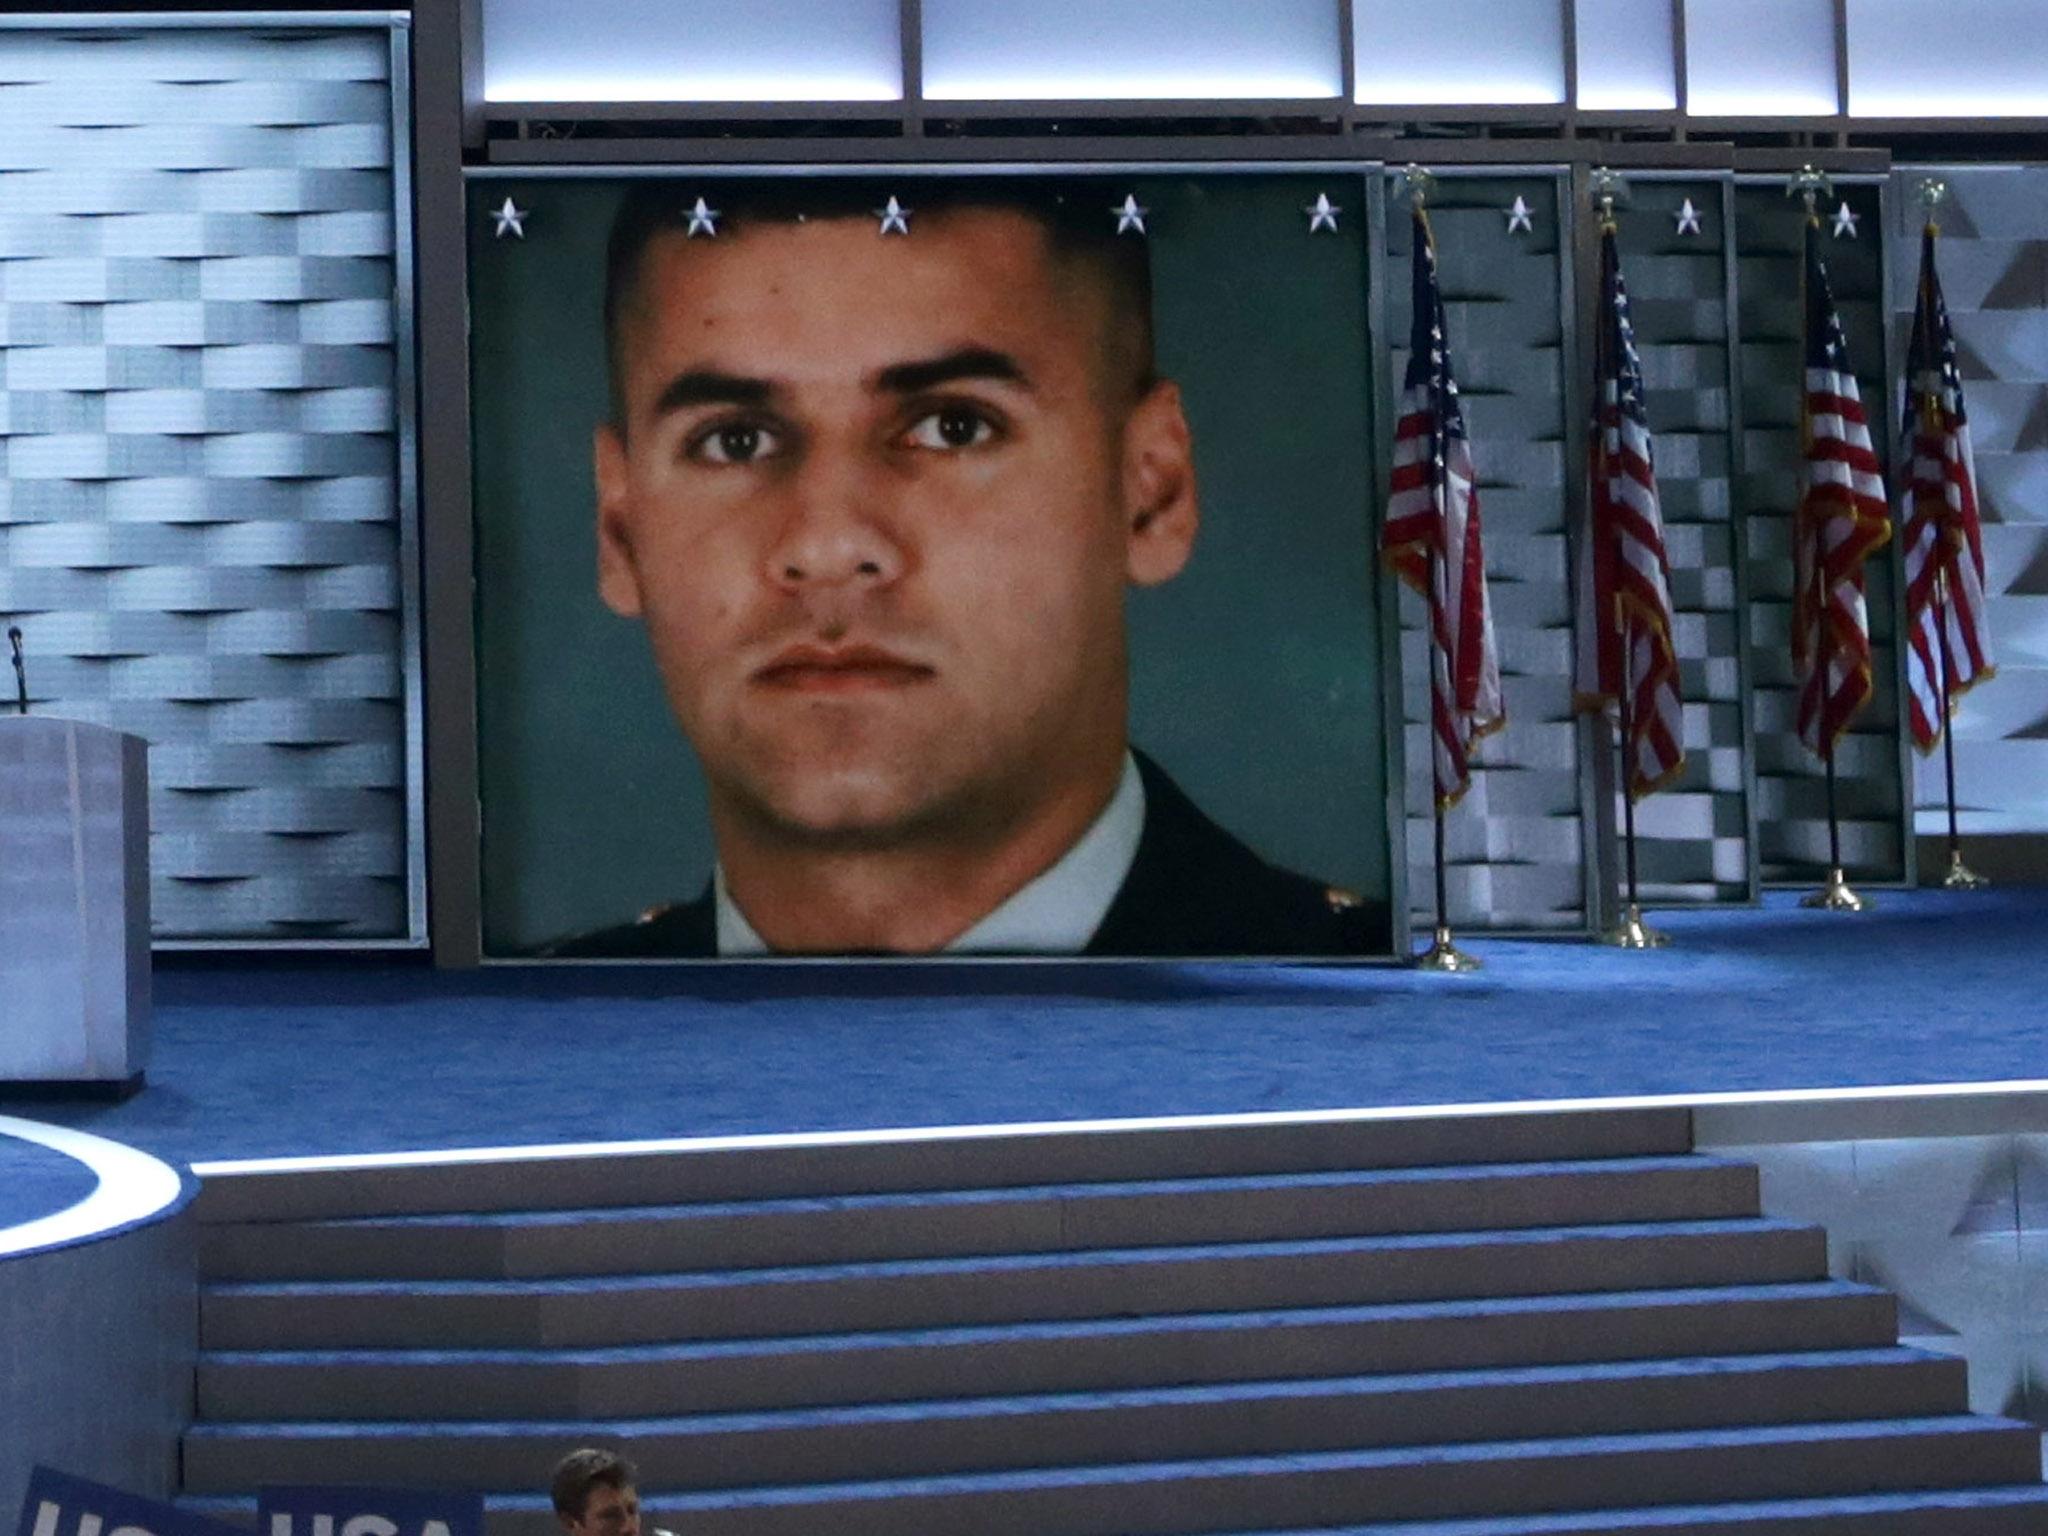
x,y
1960,876
1443,955
1633,933
1836,896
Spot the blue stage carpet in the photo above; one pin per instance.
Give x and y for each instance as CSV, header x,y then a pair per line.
x,y
37,1182
259,1058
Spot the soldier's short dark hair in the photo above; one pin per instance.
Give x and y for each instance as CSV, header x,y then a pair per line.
x,y
1077,215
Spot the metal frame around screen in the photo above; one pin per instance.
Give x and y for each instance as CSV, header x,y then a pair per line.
x,y
1369,175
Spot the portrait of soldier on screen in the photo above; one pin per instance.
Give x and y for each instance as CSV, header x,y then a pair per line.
x,y
878,493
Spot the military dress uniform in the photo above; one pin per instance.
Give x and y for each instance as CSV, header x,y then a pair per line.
x,y
1193,891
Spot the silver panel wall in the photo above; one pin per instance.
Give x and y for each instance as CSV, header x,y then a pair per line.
x,y
203,525
1696,837
1955,1225
1994,271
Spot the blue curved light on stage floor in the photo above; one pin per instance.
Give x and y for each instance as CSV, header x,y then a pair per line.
x,y
90,1186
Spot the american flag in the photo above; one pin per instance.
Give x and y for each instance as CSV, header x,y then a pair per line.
x,y
1938,503
1625,642
1842,518
1432,538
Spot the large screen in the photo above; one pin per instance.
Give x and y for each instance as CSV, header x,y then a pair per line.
x,y
929,563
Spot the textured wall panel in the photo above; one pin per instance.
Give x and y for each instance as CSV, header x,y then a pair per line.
x,y
1694,839
199,520
1790,789
1994,273
1955,1226
1515,844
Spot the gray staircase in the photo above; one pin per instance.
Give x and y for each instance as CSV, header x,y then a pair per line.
x,y
1445,1326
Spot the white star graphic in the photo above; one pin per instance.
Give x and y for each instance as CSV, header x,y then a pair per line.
x,y
1322,214
1688,218
895,218
1845,222
703,220
510,219
1522,217
1129,216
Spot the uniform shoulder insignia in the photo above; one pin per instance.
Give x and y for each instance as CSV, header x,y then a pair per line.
x,y
654,913
1341,900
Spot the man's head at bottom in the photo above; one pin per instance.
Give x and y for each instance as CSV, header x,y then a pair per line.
x,y
879,498
594,1494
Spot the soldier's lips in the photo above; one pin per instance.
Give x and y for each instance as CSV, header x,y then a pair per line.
x,y
854,669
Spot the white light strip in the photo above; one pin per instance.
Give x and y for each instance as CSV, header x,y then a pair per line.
x,y
1627,98
1789,103
1130,87
133,1186
1381,92
950,1133
149,20
1869,103
756,89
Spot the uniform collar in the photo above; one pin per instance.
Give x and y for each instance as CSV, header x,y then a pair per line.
x,y
1055,914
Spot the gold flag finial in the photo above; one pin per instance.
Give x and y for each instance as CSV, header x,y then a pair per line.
x,y
1609,188
1808,186
1932,192
1419,183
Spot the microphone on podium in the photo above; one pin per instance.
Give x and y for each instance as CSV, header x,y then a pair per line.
x,y
20,670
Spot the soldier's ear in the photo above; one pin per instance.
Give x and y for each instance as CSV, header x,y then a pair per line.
x,y
618,578
1161,510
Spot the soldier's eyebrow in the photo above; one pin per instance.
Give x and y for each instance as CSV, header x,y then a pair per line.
x,y
962,363
708,386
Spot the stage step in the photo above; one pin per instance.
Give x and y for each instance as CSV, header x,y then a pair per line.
x,y
2015,1511
931,1438
1259,1328
1310,1489
1108,1355
856,1163
1033,1219
992,1290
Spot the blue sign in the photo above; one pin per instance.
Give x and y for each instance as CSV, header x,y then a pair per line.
x,y
330,1511
59,1504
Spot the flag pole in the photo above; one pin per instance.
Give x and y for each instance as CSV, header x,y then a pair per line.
x,y
1442,954
1629,930
1960,876
1835,894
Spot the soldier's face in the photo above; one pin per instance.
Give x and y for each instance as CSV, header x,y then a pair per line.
x,y
877,499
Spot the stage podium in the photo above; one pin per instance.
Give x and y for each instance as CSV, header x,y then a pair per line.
x,y
74,902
